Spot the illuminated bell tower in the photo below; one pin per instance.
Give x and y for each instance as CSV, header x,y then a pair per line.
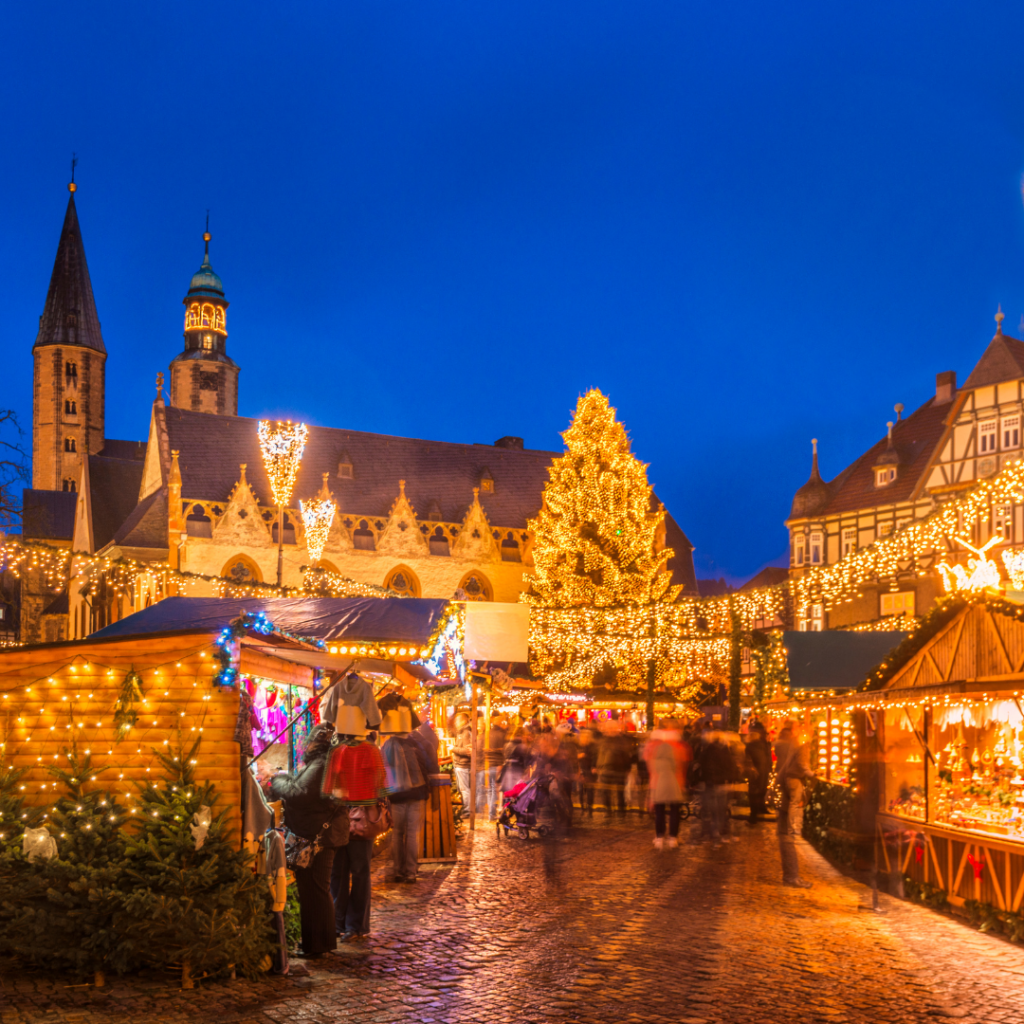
x,y
203,378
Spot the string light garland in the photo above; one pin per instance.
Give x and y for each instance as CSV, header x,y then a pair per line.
x,y
282,446
317,516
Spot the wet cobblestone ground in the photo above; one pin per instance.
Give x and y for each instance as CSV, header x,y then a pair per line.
x,y
612,931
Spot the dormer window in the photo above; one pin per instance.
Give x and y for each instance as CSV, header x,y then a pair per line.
x,y
885,476
345,470
987,437
486,482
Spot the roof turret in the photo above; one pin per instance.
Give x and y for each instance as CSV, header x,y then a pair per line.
x,y
204,280
814,495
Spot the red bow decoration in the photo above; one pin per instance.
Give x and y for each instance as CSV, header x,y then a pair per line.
x,y
977,864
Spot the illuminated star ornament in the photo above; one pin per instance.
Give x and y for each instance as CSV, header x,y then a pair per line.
x,y
317,516
982,573
282,446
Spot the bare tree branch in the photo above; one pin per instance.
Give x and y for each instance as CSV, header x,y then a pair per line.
x,y
13,468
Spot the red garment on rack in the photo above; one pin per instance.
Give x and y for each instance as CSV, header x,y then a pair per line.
x,y
355,774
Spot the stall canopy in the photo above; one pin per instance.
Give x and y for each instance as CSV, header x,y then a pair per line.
x,y
835,659
410,619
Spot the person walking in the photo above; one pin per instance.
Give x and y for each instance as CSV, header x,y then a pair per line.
x,y
613,760
323,821
757,759
355,774
494,758
716,772
407,773
462,750
666,758
587,763
792,761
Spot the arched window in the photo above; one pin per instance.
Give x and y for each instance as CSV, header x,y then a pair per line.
x,y
289,531
362,537
69,444
242,569
327,566
192,319
198,523
477,587
439,543
207,315
510,549
70,485
402,580
218,319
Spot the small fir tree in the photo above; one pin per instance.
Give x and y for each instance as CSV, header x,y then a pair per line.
x,y
62,911
595,535
194,900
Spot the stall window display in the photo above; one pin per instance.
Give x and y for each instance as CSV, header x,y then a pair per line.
x,y
905,791
977,782
834,748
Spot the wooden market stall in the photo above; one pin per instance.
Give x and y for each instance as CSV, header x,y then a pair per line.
x,y
947,730
121,699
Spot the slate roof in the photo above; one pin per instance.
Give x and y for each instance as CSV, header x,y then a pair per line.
x,y
437,474
146,526
212,447
914,438
769,576
69,316
114,492
1002,360
48,515
124,450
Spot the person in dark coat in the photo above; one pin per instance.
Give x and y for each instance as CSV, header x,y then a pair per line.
x,y
758,763
717,770
317,818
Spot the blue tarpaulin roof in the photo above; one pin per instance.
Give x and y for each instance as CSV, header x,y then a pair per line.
x,y
411,619
835,659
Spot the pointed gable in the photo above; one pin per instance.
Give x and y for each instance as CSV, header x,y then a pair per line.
x,y
242,523
401,537
69,316
476,540
1003,360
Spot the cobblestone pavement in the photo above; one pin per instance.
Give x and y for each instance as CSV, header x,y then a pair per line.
x,y
606,930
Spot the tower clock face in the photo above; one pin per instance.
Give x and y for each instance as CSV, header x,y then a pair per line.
x,y
207,341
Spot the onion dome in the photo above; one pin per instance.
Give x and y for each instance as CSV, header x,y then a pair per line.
x,y
812,498
204,280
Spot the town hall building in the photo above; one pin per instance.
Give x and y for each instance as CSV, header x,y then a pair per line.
x,y
418,517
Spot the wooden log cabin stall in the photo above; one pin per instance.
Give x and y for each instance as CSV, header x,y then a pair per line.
x,y
936,736
209,667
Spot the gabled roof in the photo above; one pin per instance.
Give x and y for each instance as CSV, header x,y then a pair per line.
x,y
48,515
914,440
124,450
1002,360
146,526
769,576
114,493
69,316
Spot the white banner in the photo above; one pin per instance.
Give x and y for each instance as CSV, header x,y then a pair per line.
x,y
497,632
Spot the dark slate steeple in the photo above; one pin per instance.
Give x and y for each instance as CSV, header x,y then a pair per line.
x,y
69,317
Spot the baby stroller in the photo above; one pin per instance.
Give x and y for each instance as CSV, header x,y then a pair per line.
x,y
530,805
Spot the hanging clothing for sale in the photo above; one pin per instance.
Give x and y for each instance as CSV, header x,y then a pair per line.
x,y
354,691
276,871
355,773
257,815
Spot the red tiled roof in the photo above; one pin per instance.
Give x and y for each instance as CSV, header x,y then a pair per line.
x,y
915,439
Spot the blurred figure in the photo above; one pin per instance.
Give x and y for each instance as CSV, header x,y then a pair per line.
x,y
408,772
792,762
494,758
571,752
716,770
613,761
587,764
517,761
666,758
758,763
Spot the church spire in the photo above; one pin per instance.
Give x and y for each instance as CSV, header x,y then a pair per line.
x,y
69,316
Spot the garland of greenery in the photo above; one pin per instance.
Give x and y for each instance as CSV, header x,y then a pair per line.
x,y
125,715
256,622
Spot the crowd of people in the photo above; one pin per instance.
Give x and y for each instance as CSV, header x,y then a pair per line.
x,y
360,777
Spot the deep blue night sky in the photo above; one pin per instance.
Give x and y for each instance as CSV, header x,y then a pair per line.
x,y
750,224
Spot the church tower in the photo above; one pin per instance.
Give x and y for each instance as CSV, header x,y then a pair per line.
x,y
203,378
68,368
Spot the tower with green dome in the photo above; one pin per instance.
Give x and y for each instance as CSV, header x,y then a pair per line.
x,y
203,377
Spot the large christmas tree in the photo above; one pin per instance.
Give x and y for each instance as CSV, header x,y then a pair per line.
x,y
595,535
